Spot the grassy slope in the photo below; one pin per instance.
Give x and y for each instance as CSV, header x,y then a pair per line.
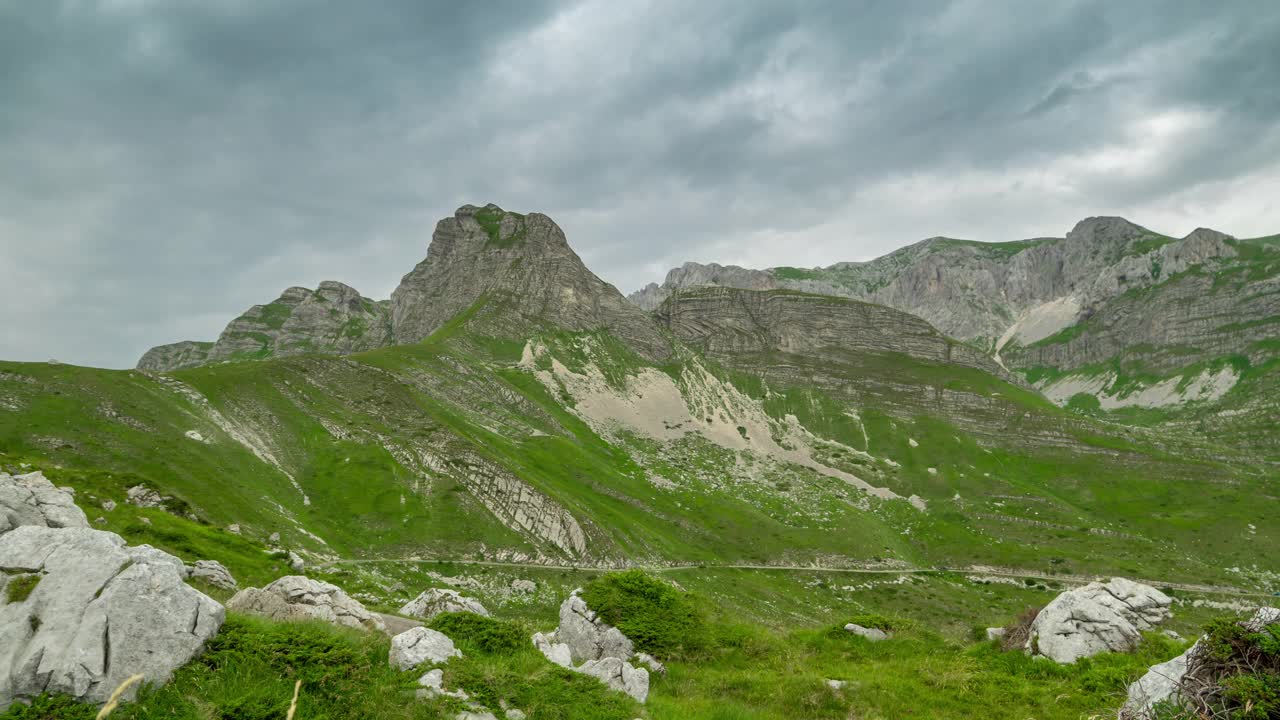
x,y
1108,501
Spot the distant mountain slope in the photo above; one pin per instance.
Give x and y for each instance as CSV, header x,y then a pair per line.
x,y
543,420
333,318
1109,293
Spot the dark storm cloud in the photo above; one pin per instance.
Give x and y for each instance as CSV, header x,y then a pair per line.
x,y
165,164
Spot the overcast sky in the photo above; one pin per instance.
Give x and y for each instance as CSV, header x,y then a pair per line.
x,y
164,164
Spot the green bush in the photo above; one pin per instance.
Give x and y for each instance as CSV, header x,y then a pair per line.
x,y
881,622
659,619
481,633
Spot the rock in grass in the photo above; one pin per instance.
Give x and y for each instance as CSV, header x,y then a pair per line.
x,y
214,573
419,645
1096,618
603,650
435,601
995,633
295,597
619,675
91,612
31,499
872,634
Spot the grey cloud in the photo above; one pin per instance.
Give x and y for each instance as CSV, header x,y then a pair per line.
x,y
163,165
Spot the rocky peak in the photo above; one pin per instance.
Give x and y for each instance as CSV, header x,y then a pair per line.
x,y
1105,229
333,318
522,268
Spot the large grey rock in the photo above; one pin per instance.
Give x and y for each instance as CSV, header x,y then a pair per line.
x,y
1159,684
295,597
589,637
100,612
491,254
1162,683
419,645
619,675
1096,618
333,318
603,651
31,499
434,601
214,573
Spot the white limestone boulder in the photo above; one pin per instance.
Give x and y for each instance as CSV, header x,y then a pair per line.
x,y
436,601
99,612
1096,618
420,645
31,499
601,649
295,597
214,573
619,675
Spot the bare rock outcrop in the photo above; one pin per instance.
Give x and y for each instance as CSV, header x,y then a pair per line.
x,y
295,597
92,611
212,572
175,356
599,649
30,499
525,272
333,318
419,645
435,601
1096,618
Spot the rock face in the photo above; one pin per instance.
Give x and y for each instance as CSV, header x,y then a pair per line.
x,y
31,499
1096,618
99,612
295,597
175,356
603,651
971,290
435,601
526,273
333,318
732,323
1163,681
421,645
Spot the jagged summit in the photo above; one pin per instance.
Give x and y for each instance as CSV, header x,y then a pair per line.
x,y
490,254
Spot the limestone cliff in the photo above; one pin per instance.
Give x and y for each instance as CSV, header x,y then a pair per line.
x,y
980,291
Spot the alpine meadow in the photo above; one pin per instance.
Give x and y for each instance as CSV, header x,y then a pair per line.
x,y
1029,479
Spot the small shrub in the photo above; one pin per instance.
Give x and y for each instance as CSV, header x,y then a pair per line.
x,y
1234,672
1017,632
659,619
482,633
881,622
